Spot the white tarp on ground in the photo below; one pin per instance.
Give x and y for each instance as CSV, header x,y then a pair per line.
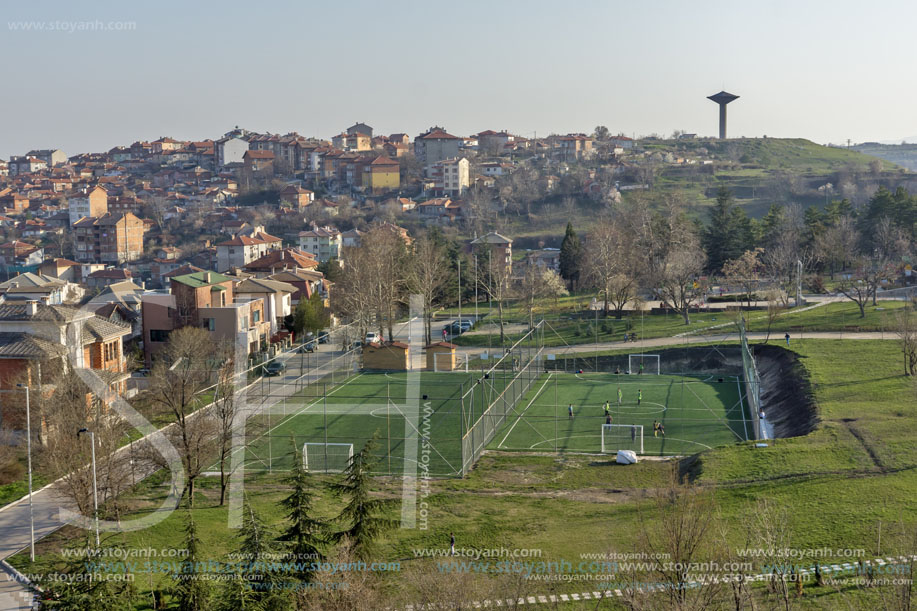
x,y
626,457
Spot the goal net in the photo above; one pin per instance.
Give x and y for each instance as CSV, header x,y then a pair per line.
x,y
326,457
643,363
622,437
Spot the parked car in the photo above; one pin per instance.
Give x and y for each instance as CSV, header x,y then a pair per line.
x,y
466,324
310,346
372,338
274,368
324,337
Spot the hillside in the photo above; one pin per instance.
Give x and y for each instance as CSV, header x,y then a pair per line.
x,y
763,171
904,155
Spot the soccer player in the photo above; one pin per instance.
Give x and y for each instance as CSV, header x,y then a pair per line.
x,y
570,411
641,368
608,419
620,396
655,429
607,407
662,429
639,395
633,433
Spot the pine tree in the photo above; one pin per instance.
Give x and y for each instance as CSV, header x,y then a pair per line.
x,y
254,585
571,257
361,515
87,592
729,232
192,590
303,536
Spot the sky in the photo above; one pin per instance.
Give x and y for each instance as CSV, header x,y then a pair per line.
x,y
111,73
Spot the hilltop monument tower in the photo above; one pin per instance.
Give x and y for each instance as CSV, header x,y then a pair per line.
x,y
722,98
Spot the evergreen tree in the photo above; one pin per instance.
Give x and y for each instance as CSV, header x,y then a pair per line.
x,y
728,233
191,590
361,515
254,585
303,535
310,316
86,592
571,258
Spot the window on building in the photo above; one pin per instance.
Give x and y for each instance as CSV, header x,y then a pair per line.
x,y
159,335
256,316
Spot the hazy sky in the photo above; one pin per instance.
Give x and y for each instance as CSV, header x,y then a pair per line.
x,y
827,71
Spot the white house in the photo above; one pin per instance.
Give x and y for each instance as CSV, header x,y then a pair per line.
x,y
229,150
323,243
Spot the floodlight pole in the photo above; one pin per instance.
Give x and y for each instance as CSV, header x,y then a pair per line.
x,y
475,288
95,486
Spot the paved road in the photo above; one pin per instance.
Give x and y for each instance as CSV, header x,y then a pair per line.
x,y
775,338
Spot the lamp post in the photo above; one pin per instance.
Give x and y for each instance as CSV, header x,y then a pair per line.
x,y
28,433
95,488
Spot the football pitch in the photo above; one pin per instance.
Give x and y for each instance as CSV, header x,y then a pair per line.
x,y
368,404
697,412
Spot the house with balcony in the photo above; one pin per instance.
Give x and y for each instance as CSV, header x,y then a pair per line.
x,y
323,243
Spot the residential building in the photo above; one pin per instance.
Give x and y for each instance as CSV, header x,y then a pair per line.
x,y
51,157
296,197
360,128
451,176
381,174
25,165
277,298
93,203
323,243
281,259
242,250
304,282
230,149
436,145
105,277
17,256
500,248
111,238
62,269
37,341
206,300
43,289
571,147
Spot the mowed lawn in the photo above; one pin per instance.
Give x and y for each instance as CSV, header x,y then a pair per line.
x,y
697,413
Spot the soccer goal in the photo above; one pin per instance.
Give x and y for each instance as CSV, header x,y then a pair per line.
x,y
326,457
622,437
643,363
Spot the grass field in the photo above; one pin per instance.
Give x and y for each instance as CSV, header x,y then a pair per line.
x,y
698,413
370,404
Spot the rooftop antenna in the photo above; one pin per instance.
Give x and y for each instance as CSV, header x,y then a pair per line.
x,y
722,98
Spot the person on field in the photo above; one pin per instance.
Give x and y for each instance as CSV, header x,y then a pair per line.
x,y
639,395
655,429
607,408
607,418
452,543
620,396
787,338
570,411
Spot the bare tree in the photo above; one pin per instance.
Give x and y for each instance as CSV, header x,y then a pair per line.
x,y
494,280
837,244
745,271
180,378
612,263
678,278
538,282
682,532
907,334
428,274
225,411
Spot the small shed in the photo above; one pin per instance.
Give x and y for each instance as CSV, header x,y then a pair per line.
x,y
386,356
440,356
